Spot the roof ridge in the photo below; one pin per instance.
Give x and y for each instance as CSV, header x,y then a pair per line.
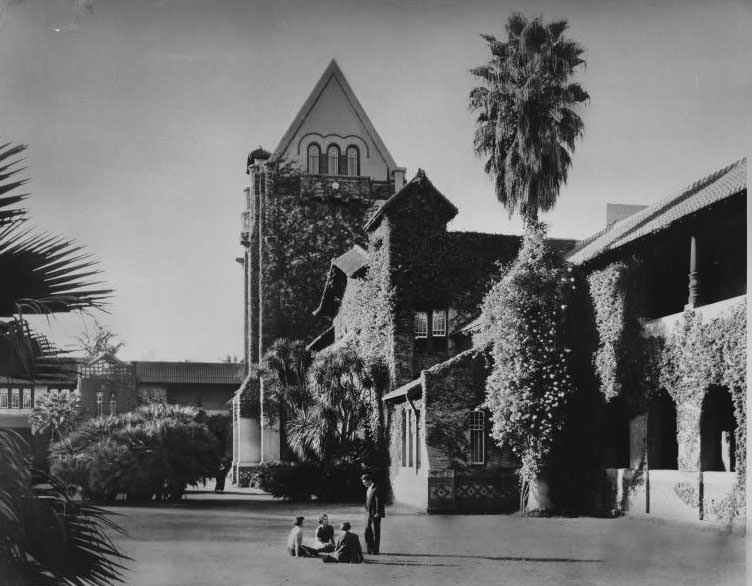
x,y
622,229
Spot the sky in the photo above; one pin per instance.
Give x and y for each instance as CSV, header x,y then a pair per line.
x,y
139,115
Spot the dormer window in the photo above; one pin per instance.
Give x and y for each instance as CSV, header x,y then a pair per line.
x,y
314,158
353,161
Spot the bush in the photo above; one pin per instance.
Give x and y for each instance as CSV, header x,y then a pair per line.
x,y
299,481
294,481
154,451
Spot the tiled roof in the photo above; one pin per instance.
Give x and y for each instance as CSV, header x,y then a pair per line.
x,y
707,191
189,372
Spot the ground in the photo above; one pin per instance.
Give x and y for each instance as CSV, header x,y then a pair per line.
x,y
240,537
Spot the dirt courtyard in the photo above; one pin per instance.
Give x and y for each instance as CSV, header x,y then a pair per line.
x,y
239,538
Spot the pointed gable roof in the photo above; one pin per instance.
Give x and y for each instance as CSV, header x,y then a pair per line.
x,y
419,183
333,74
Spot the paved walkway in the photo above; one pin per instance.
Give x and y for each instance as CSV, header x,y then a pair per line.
x,y
239,539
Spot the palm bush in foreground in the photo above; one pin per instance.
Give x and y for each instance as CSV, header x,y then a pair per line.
x,y
49,539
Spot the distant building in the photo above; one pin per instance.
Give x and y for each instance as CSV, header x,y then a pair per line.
x,y
109,386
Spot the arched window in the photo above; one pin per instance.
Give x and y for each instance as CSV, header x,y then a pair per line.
x,y
353,161
332,156
100,403
314,157
113,403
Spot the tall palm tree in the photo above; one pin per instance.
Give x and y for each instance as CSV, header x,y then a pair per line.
x,y
527,122
40,273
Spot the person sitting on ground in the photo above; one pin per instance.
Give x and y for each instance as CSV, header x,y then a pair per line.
x,y
324,535
295,545
347,550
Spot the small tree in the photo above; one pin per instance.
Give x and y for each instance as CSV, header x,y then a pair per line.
x,y
57,413
530,381
102,340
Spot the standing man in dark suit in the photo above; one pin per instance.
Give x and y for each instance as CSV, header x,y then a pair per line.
x,y
374,514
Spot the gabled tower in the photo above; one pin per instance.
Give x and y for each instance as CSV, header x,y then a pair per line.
x,y
306,204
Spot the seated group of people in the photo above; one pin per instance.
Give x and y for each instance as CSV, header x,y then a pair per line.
x,y
346,549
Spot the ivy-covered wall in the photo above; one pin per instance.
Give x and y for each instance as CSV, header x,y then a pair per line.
x,y
698,355
305,226
690,359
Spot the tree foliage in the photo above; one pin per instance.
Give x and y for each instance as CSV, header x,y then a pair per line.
x,y
58,412
530,382
154,451
102,340
48,539
527,121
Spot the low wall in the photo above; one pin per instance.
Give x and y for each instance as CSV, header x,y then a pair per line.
x,y
669,494
410,486
473,491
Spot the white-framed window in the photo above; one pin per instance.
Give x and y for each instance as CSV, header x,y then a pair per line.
x,y
353,161
477,437
314,159
421,324
100,404
113,404
15,398
332,159
3,398
439,323
26,399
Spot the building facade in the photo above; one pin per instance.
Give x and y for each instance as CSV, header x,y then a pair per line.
x,y
306,204
680,268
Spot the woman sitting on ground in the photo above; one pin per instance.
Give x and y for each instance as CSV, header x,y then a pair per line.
x,y
324,535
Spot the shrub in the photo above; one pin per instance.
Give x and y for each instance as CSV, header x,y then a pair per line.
x,y
154,451
299,481
295,481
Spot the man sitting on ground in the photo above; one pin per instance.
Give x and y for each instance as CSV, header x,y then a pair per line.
x,y
347,550
295,545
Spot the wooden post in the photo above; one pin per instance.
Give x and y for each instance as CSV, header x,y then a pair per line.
x,y
695,292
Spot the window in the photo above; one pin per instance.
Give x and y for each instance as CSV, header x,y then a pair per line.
x,y
353,161
430,331
438,324
113,404
421,324
258,181
332,155
26,399
314,158
3,398
100,404
15,398
404,437
477,437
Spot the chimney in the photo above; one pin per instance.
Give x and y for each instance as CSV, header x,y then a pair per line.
x,y
398,175
616,212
